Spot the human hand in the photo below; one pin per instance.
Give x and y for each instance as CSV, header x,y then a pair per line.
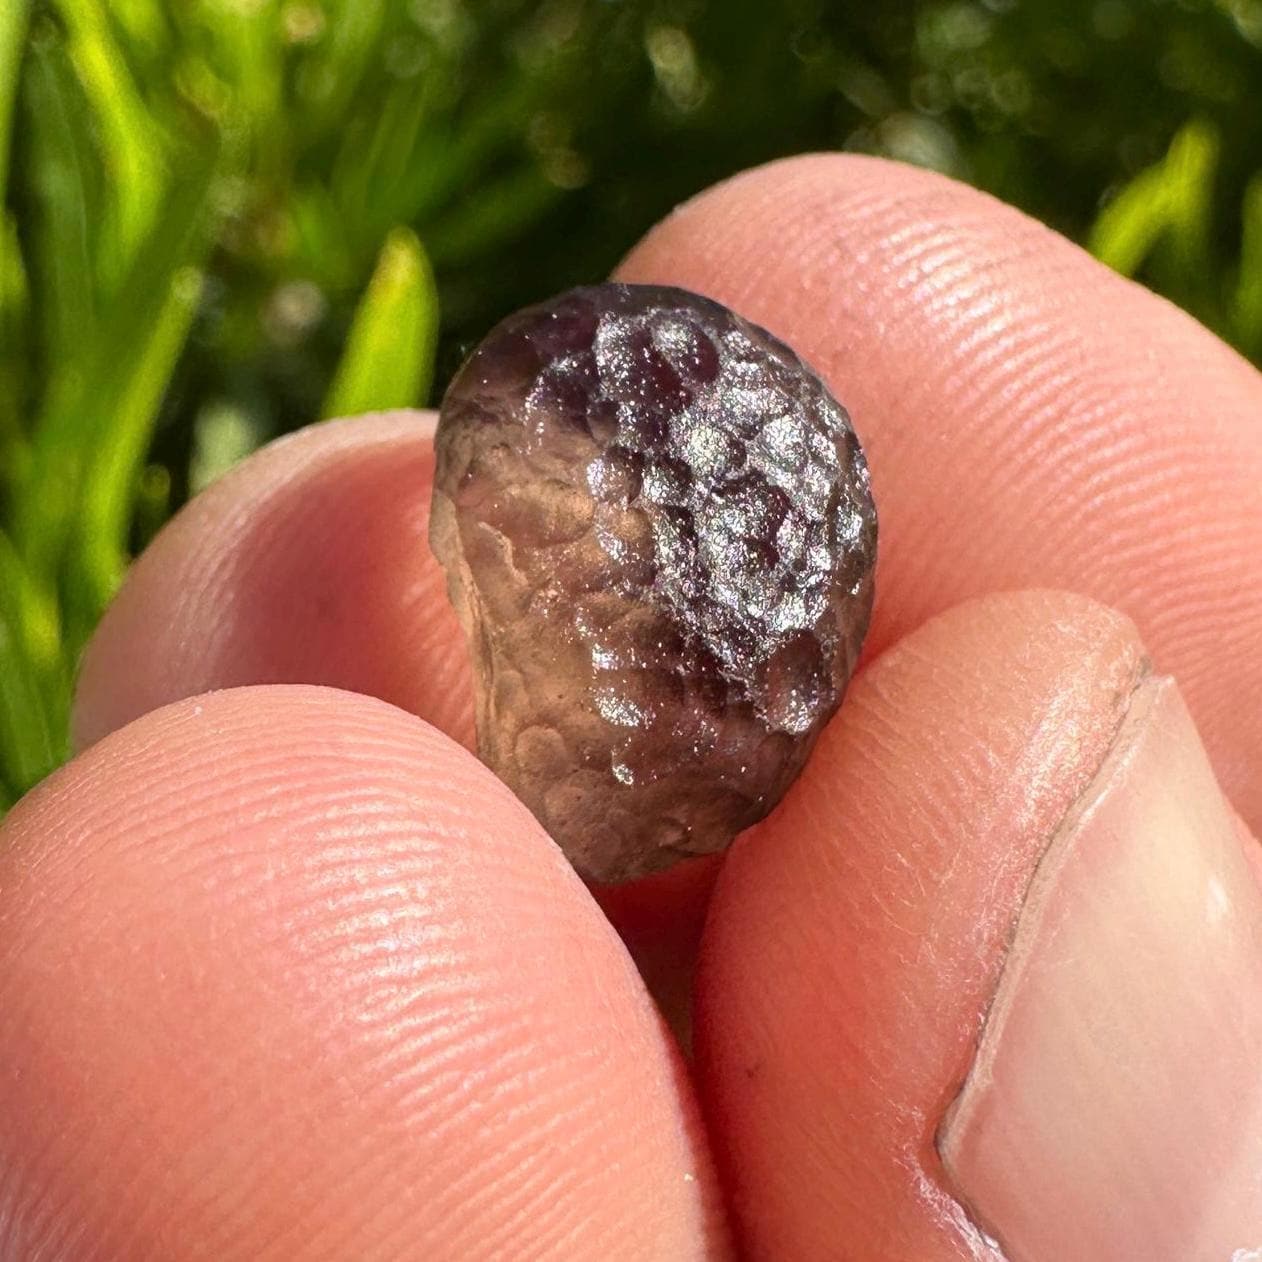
x,y
286,974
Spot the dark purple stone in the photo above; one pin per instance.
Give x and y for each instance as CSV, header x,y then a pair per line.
x,y
659,535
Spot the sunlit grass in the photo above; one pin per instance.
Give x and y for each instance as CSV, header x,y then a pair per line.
x,y
388,361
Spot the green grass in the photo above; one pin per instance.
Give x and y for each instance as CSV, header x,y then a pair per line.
x,y
388,361
222,219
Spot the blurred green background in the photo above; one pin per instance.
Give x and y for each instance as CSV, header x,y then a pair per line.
x,y
223,219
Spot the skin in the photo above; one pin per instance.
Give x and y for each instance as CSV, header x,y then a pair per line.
x,y
286,974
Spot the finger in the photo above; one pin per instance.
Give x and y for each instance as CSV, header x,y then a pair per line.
x,y
309,563
993,972
1031,419
286,974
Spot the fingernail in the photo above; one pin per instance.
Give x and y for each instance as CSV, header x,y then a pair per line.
x,y
1114,1107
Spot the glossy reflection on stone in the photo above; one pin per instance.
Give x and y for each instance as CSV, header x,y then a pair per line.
x,y
659,535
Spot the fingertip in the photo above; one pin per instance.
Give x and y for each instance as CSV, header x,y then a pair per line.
x,y
308,563
855,936
1128,1010
287,973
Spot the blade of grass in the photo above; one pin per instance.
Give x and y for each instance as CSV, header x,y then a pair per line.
x,y
15,294
412,159
14,352
129,139
30,692
26,747
13,287
33,610
13,15
245,46
250,49
320,246
1247,300
448,159
1189,168
104,400
1128,228
371,153
60,260
143,25
502,210
337,64
389,357
1171,203
111,483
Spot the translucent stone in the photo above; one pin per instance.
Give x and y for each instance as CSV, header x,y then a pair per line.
x,y
659,536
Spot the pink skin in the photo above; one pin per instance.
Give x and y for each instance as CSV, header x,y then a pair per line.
x,y
1083,1064
323,989
285,974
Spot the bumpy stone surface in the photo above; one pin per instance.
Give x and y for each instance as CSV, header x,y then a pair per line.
x,y
659,536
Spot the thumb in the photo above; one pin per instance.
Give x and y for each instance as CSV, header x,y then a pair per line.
x,y
1018,998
